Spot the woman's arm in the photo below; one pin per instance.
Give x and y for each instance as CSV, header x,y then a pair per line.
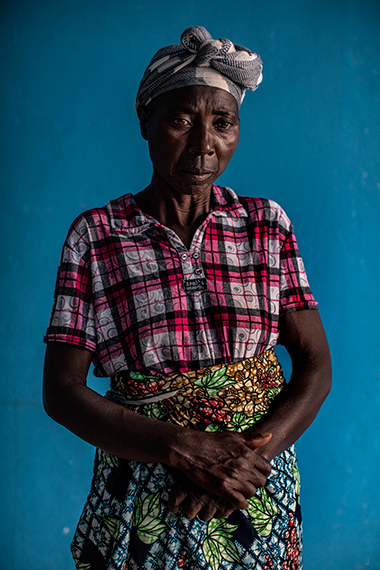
x,y
295,408
218,462
97,420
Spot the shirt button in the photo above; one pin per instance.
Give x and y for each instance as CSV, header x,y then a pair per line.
x,y
198,272
196,255
184,256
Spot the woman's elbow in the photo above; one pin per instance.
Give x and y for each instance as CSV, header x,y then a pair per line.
x,y
323,376
50,402
327,376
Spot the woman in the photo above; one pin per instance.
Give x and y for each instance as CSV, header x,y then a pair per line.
x,y
179,294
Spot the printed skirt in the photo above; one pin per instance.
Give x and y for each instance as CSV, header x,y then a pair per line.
x,y
126,525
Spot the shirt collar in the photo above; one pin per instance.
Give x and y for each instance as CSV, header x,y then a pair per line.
x,y
225,202
126,216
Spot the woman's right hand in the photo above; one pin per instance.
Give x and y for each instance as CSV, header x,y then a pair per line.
x,y
191,500
224,464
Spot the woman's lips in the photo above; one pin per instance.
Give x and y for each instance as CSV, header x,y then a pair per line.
x,y
197,174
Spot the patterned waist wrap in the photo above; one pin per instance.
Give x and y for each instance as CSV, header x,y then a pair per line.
x,y
218,398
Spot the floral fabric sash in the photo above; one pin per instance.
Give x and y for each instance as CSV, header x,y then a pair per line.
x,y
218,398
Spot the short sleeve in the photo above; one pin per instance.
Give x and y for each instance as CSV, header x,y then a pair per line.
x,y
72,319
295,293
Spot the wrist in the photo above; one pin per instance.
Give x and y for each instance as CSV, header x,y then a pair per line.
x,y
176,447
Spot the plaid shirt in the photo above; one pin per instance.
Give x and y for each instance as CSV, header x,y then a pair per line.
x,y
131,292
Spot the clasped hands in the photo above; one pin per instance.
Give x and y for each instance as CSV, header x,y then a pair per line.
x,y
219,473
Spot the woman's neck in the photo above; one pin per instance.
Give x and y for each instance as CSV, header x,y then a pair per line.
x,y
182,213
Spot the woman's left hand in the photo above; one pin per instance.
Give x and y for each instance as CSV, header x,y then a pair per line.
x,y
187,497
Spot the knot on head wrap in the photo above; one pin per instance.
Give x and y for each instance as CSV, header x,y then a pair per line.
x,y
197,40
201,60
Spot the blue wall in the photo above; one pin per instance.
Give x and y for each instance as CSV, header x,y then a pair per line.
x,y
310,140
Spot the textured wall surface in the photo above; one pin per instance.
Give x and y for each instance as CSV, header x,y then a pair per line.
x,y
310,140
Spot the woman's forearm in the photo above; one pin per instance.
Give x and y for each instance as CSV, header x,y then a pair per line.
x,y
97,420
297,405
295,408
113,428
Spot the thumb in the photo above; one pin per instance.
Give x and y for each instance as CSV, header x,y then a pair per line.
x,y
255,440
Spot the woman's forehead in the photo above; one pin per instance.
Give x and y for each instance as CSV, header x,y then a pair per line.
x,y
195,97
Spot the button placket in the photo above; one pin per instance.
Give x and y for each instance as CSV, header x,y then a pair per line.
x,y
191,259
191,264
186,263
196,255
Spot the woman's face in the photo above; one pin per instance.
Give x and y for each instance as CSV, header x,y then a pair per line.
x,y
192,134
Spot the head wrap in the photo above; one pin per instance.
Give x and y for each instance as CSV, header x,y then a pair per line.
x,y
201,60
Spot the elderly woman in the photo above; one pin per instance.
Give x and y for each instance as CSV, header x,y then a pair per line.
x,y
179,294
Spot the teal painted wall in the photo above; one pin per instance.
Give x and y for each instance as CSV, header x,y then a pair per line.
x,y
310,140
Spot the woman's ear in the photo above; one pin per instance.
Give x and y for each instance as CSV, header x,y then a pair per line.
x,y
143,117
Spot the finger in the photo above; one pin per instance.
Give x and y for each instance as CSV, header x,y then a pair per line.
x,y
208,511
194,504
248,489
234,497
223,513
224,509
190,510
262,465
256,461
176,497
256,440
258,480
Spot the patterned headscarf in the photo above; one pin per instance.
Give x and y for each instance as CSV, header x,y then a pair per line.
x,y
201,60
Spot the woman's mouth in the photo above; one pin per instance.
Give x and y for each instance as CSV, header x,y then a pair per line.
x,y
197,175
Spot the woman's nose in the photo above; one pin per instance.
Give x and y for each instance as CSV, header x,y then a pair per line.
x,y
201,140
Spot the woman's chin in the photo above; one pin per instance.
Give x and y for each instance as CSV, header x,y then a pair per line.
x,y
194,184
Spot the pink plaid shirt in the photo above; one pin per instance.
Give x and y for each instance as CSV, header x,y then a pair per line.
x,y
132,293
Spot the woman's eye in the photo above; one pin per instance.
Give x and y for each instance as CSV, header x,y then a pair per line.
x,y
224,125
180,121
